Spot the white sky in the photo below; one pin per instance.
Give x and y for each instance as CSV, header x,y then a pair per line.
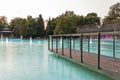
x,y
53,8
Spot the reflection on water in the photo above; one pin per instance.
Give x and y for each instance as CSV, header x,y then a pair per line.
x,y
71,71
6,39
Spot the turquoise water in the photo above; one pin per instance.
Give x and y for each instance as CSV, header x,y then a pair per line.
x,y
26,60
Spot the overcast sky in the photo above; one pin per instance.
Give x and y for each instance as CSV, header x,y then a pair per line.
x,y
53,8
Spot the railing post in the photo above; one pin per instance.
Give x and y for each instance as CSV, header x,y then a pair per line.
x,y
81,47
73,43
52,42
56,44
62,45
68,41
88,43
114,47
99,51
70,47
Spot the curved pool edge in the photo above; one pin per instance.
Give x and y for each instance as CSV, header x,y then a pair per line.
x,y
110,74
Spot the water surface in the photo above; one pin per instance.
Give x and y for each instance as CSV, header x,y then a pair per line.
x,y
25,60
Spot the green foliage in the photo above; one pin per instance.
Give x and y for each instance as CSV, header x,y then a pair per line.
x,y
3,21
51,26
80,20
40,27
63,24
19,26
30,27
66,23
113,15
92,18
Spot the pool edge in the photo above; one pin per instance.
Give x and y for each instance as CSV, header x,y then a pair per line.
x,y
110,74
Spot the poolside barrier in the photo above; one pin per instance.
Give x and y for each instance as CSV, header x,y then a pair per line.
x,y
104,53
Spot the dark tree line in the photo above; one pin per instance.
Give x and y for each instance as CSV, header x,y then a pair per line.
x,y
30,27
69,21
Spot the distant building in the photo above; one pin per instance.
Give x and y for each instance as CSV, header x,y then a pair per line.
x,y
95,28
6,32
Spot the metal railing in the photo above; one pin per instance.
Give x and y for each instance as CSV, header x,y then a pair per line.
x,y
99,43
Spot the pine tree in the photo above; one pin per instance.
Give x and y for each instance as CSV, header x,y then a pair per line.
x,y
40,27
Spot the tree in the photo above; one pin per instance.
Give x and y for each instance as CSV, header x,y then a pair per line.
x,y
66,23
3,21
19,26
113,14
92,18
51,26
31,26
40,27
80,20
